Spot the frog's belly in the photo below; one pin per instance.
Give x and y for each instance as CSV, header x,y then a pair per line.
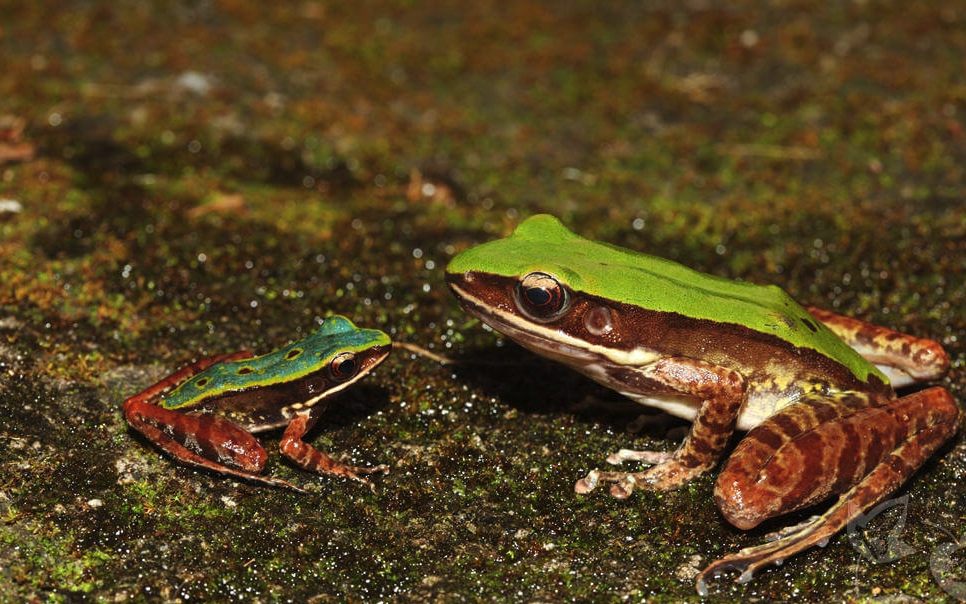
x,y
753,411
632,380
635,384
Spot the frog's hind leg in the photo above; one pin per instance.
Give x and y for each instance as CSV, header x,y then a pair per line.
x,y
313,460
198,440
904,358
864,453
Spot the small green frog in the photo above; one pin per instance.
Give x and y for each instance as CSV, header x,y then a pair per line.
x,y
814,389
204,415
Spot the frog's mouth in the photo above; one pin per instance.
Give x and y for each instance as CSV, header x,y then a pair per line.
x,y
546,340
552,344
277,404
620,370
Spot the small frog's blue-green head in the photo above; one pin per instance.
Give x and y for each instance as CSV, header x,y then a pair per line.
x,y
335,355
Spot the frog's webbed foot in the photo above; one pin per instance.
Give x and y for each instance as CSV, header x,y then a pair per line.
x,y
783,543
275,482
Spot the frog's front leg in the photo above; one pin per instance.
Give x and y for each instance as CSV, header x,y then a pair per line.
x,y
721,391
313,460
818,448
201,440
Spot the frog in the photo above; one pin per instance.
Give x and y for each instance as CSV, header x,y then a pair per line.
x,y
206,414
813,390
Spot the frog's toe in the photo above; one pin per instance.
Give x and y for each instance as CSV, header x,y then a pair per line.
x,y
622,490
381,468
359,478
716,569
588,483
357,472
791,530
648,457
748,561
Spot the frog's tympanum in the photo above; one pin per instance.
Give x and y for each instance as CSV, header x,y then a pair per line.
x,y
814,389
204,415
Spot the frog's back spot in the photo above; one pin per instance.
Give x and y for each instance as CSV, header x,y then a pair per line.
x,y
810,324
294,353
202,382
245,370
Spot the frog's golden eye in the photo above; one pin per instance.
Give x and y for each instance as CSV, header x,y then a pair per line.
x,y
541,297
343,366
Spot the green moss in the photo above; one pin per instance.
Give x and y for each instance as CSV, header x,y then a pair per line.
x,y
225,180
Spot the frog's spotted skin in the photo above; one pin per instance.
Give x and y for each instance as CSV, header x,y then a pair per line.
x,y
204,414
812,387
336,335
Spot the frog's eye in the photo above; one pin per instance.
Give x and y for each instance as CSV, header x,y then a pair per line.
x,y
343,366
542,297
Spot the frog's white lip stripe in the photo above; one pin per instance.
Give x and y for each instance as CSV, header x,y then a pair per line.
x,y
550,342
290,411
592,360
585,358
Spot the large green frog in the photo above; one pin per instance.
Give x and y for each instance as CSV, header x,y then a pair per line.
x,y
814,389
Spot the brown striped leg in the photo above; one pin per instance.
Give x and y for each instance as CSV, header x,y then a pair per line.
x,y
721,390
864,455
310,458
209,437
905,358
205,441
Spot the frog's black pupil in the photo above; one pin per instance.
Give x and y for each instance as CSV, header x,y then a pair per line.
x,y
542,296
344,368
538,296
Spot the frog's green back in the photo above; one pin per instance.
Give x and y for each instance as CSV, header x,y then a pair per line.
x,y
336,335
543,243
